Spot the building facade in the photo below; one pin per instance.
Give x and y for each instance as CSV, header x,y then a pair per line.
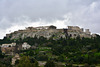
x,y
25,46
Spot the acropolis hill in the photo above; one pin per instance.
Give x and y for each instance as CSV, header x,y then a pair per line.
x,y
48,31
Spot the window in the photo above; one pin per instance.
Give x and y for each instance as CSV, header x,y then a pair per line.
x,y
74,34
70,35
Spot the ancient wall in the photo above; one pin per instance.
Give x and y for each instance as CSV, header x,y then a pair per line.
x,y
74,31
48,31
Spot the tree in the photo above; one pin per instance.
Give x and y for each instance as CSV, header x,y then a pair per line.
x,y
25,62
49,64
61,58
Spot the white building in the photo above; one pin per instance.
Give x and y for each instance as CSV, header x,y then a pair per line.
x,y
9,45
25,46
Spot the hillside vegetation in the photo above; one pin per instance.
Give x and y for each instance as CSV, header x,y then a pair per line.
x,y
65,50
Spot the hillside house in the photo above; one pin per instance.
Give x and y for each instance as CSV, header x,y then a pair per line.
x,y
25,46
9,49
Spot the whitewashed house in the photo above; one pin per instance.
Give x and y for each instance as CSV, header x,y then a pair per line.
x,y
26,46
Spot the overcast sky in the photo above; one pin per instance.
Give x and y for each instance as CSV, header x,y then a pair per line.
x,y
18,14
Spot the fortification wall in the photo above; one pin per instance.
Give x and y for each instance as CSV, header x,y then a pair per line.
x,y
48,31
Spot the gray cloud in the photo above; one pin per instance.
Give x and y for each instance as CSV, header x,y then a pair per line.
x,y
82,13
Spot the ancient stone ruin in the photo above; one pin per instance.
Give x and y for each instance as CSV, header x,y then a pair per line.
x,y
48,31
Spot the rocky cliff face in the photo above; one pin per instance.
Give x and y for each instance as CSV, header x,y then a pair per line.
x,y
46,32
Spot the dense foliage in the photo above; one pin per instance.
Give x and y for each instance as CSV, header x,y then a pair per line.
x,y
27,62
50,64
67,50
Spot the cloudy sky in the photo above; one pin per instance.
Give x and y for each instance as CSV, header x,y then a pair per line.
x,y
18,14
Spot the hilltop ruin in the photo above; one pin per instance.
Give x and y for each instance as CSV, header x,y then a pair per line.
x,y
48,31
